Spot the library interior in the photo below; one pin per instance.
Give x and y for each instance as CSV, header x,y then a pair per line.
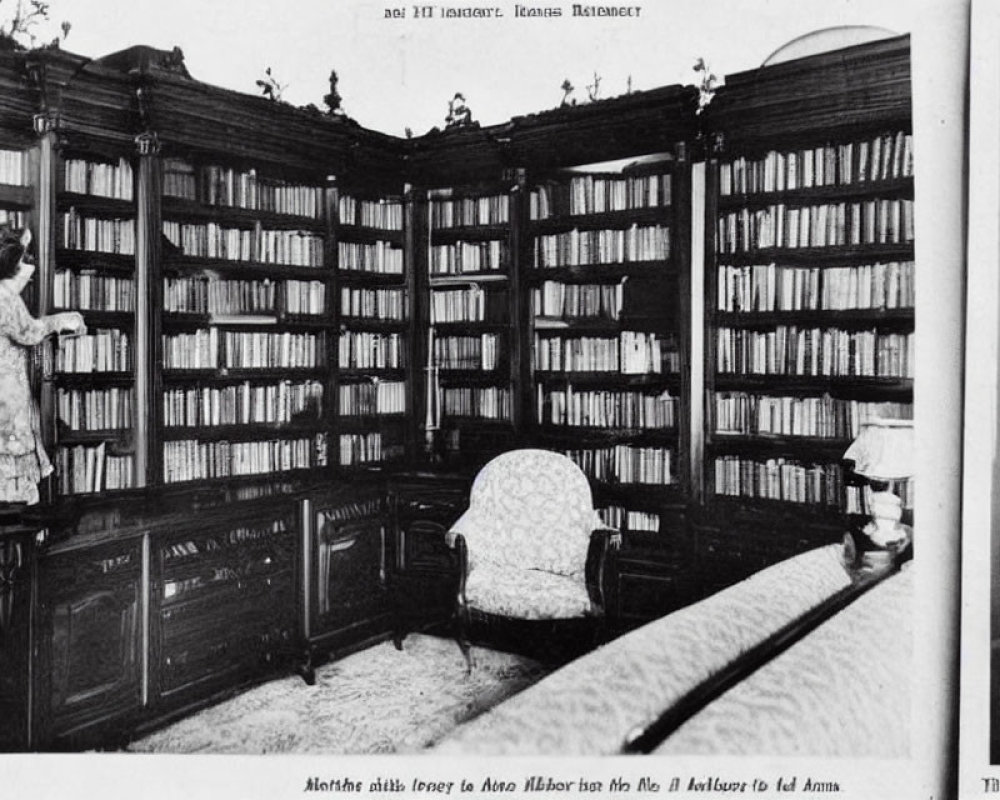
x,y
605,410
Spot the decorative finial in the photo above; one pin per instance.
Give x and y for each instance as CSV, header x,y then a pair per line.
x,y
707,85
459,114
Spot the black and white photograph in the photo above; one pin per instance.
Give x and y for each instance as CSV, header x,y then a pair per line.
x,y
425,400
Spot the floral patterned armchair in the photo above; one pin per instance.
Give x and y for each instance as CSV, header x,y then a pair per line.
x,y
531,549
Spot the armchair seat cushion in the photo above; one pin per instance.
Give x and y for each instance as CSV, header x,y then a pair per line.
x,y
526,593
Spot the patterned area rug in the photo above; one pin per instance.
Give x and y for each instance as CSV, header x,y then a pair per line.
x,y
380,700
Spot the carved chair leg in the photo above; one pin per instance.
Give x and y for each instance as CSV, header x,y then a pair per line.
x,y
462,638
307,670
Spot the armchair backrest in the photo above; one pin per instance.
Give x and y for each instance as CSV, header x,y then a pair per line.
x,y
530,509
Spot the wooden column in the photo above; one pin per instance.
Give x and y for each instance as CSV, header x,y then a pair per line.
x,y
45,250
522,397
147,295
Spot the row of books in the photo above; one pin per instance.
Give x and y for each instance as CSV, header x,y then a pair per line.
x,y
191,460
11,218
469,211
597,194
179,179
224,186
103,350
623,519
99,178
367,448
14,167
467,352
578,300
474,303
86,469
769,287
605,409
461,257
304,297
629,353
242,404
202,295
884,157
258,245
373,303
611,246
484,402
372,398
97,235
782,479
367,350
386,215
210,348
825,417
380,257
790,350
625,464
88,290
104,409
864,222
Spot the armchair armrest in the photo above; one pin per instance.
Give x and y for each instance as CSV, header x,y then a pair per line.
x,y
604,544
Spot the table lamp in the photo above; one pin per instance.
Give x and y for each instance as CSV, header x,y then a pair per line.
x,y
883,452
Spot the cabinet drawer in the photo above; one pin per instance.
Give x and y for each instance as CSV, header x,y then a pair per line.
x,y
206,639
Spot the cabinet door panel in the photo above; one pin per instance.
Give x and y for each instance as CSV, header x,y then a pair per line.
x,y
95,651
15,613
350,571
90,637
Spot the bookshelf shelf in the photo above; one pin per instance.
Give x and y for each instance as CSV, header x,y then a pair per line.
x,y
352,277
16,197
181,210
89,379
69,438
626,218
466,278
359,233
111,263
602,273
815,384
617,379
243,432
821,448
822,256
369,324
225,374
186,265
889,318
472,233
898,187
96,205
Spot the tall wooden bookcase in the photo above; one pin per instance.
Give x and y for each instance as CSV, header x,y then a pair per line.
x,y
809,282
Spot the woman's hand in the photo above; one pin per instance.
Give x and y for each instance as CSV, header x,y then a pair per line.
x,y
70,322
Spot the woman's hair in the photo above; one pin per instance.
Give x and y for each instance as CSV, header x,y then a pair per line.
x,y
11,252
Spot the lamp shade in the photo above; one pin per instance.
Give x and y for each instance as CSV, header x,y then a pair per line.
x,y
883,450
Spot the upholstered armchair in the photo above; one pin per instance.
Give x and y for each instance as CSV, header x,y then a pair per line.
x,y
531,556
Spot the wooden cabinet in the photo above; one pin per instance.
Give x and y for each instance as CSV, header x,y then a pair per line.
x,y
16,556
224,600
425,577
91,625
346,554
